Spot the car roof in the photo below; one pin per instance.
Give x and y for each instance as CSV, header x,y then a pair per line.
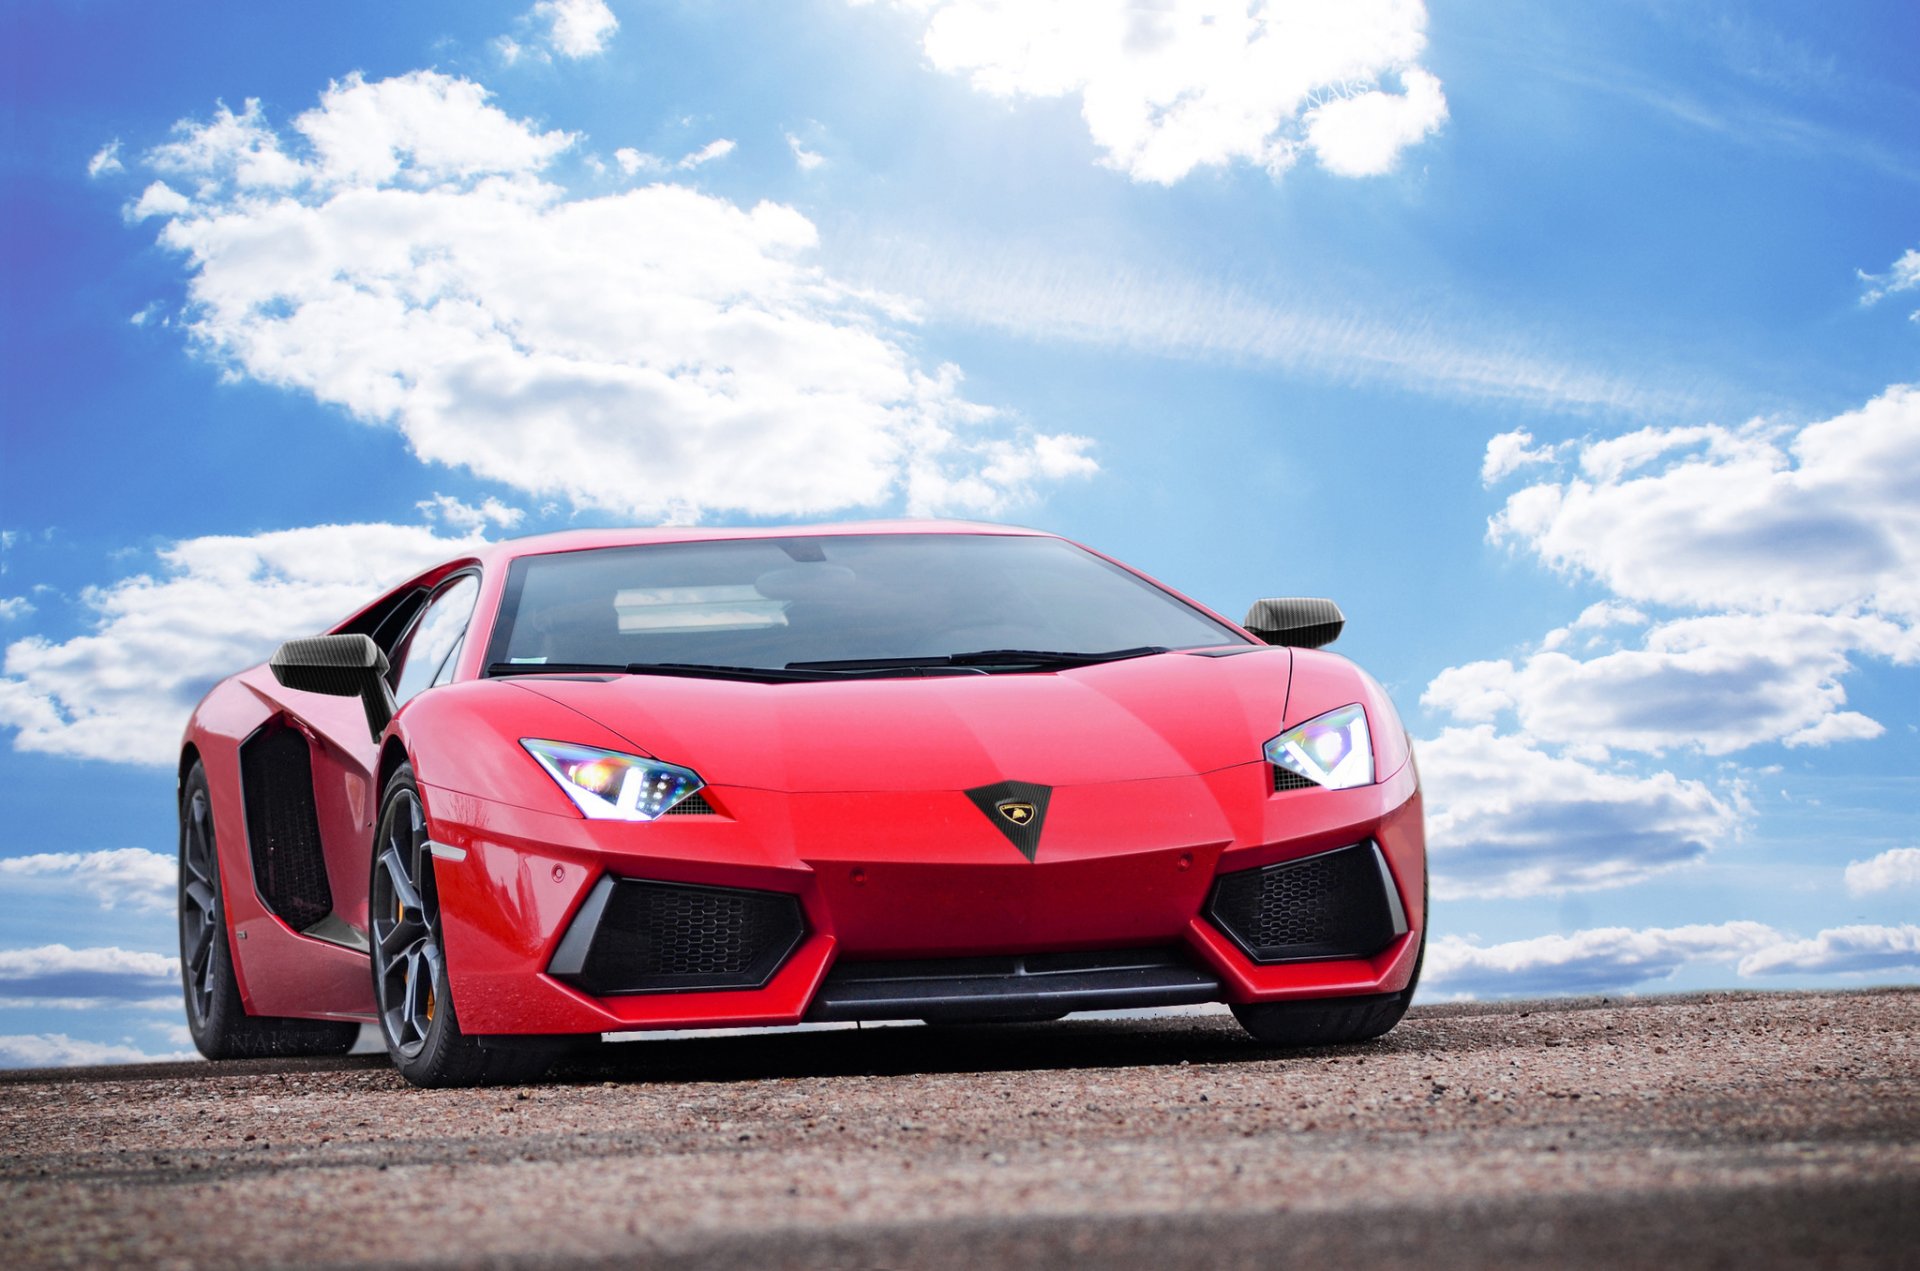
x,y
587,540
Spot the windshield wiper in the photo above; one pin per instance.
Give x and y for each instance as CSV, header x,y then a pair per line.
x,y
694,670
707,671
554,668
1049,658
844,669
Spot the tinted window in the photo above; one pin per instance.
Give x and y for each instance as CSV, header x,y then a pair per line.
x,y
436,635
769,602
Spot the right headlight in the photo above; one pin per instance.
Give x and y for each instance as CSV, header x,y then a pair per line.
x,y
1332,750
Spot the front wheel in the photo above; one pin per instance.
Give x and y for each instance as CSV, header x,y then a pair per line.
x,y
1334,1021
410,987
1331,1021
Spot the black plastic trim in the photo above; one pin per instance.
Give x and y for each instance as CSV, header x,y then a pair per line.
x,y
571,957
1390,925
587,962
1039,985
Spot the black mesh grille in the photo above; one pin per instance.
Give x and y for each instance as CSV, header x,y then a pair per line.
x,y
694,804
1288,779
283,832
1334,905
655,937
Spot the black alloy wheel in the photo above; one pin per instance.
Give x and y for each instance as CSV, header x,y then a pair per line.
x,y
410,980
199,905
405,911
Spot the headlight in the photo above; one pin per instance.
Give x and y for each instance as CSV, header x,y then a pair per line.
x,y
609,786
1331,750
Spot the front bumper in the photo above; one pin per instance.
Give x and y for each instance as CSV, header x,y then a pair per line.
x,y
884,876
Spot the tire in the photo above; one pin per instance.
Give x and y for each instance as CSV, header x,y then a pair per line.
x,y
1332,1021
410,985
216,1017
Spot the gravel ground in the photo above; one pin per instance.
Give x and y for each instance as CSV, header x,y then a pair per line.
x,y
1737,1130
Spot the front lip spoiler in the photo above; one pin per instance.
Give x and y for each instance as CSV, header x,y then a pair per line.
x,y
1033,985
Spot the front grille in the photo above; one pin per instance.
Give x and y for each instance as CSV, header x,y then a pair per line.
x,y
1339,904
645,937
283,829
1288,779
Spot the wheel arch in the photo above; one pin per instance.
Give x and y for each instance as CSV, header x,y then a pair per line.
x,y
189,756
393,753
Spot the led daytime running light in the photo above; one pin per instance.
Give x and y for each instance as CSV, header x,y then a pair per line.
x,y
609,786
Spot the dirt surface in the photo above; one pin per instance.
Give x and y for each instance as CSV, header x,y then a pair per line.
x,y
1723,1130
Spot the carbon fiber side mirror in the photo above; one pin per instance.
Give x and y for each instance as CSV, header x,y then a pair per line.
x,y
339,666
1300,622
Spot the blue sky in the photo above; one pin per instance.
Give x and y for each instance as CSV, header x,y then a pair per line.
x,y
1568,347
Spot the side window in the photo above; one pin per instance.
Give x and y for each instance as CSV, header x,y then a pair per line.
x,y
431,643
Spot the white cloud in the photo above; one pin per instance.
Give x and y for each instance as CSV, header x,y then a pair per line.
x,y
240,147
468,517
158,199
57,1050
1509,452
1600,616
651,353
55,971
130,876
1892,870
1056,294
1508,819
807,160
1606,613
1362,135
1798,553
1799,549
1168,88
169,1003
719,149
633,161
1718,683
1593,961
1822,520
577,28
217,604
106,160
1902,275
1840,950
12,607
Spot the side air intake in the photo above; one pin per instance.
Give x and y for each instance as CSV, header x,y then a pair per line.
x,y
1339,904
283,828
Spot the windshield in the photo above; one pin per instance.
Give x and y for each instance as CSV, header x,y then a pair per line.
x,y
774,603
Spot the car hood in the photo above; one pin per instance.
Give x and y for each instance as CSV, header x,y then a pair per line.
x,y
1159,716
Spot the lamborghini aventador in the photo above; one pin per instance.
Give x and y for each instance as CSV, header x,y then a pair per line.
x,y
612,781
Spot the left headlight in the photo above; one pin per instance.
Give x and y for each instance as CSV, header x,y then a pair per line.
x,y
1332,750
609,786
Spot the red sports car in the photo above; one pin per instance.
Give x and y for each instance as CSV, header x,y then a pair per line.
x,y
608,781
